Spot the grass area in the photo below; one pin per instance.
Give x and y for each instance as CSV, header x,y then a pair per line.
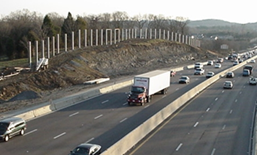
x,y
14,63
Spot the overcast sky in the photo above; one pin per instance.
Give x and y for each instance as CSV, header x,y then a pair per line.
x,y
229,10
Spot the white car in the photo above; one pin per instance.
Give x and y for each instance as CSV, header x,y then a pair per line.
x,y
209,74
252,81
210,62
86,148
184,79
199,71
228,85
217,65
252,61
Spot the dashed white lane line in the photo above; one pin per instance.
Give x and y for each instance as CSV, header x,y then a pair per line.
x,y
59,135
207,109
213,151
90,140
230,111
223,127
73,114
125,103
147,106
27,133
196,124
105,101
236,100
179,146
223,91
123,120
177,89
98,116
216,99
164,96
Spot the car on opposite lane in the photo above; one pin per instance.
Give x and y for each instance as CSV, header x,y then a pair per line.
x,y
86,149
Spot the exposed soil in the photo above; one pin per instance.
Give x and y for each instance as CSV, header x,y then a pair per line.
x,y
69,70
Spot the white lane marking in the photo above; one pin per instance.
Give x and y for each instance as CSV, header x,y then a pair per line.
x,y
73,114
223,91
27,133
196,124
216,99
208,109
223,127
59,135
236,100
163,96
213,151
177,89
240,92
147,106
98,116
105,101
123,120
231,111
90,140
125,103
179,146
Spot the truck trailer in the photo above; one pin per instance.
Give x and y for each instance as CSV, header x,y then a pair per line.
x,y
147,84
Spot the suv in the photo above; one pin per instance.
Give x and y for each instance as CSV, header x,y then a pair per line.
x,y
198,65
11,127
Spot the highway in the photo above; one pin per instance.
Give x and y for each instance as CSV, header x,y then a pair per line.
x,y
107,118
216,122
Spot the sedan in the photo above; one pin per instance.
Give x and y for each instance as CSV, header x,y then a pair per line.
x,y
199,71
228,85
184,79
252,61
217,65
209,74
86,149
230,75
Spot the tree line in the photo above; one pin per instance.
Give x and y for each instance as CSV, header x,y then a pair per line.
x,y
22,26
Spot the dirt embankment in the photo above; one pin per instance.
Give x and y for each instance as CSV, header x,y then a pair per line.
x,y
69,70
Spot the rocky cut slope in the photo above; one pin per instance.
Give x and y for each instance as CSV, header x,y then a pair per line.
x,y
69,70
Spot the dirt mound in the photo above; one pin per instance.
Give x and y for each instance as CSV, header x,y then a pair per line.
x,y
70,70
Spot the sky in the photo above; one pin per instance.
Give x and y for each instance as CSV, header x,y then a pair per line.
x,y
228,10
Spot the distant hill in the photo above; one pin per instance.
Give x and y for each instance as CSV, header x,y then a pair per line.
x,y
208,23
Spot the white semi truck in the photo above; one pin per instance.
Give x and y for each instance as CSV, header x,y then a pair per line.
x,y
147,84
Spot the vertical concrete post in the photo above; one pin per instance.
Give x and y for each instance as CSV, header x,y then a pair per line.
x,y
58,43
53,39
96,37
48,47
79,38
43,48
91,37
168,35
140,34
155,33
175,37
36,56
172,36
135,33
85,38
111,37
164,34
146,33
126,34
65,42
102,35
160,33
30,60
72,40
179,38
129,33
186,39
150,35
114,36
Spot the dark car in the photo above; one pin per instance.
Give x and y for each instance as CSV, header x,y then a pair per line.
x,y
230,75
86,149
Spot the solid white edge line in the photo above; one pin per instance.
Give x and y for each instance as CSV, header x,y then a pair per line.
x,y
208,109
147,106
196,124
90,140
125,103
213,151
105,101
27,133
59,135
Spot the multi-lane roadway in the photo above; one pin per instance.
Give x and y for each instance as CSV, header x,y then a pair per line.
x,y
210,121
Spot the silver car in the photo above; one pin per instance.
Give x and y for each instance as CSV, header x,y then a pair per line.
x,y
228,85
86,149
184,79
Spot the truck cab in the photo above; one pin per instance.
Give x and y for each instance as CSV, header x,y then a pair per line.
x,y
137,95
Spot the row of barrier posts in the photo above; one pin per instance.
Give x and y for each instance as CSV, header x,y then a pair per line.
x,y
93,40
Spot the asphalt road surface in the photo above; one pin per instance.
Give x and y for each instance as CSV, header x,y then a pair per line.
x,y
107,118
